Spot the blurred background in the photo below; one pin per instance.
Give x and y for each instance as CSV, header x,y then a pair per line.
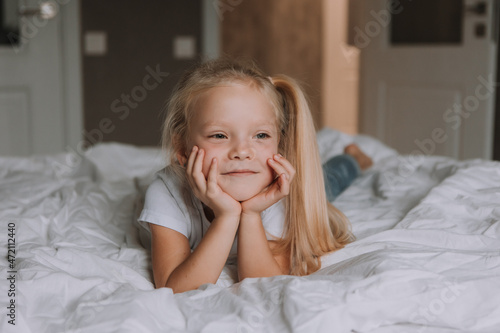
x,y
418,75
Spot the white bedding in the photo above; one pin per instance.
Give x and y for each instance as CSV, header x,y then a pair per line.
x,y
426,258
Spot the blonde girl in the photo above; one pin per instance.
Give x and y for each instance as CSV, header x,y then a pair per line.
x,y
245,182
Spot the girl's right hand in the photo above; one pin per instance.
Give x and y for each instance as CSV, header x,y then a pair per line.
x,y
207,189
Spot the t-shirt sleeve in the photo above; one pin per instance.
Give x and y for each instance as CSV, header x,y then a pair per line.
x,y
273,220
161,207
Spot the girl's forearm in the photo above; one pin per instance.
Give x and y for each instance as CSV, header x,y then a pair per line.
x,y
255,258
206,262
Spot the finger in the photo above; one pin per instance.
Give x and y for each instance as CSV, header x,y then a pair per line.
x,y
281,182
191,158
278,189
198,162
197,173
277,166
189,167
285,164
284,184
212,185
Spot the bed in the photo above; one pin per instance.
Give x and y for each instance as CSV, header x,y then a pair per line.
x,y
426,258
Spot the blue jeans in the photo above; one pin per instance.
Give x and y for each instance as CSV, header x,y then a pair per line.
x,y
339,172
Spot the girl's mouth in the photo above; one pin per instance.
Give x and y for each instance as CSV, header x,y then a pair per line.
x,y
240,173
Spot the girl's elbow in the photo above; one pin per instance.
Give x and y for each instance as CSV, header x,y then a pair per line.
x,y
171,283
178,287
168,281
181,289
160,284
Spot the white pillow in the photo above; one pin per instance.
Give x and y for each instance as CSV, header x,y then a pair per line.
x,y
332,142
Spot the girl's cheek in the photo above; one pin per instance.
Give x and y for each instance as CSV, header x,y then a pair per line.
x,y
206,166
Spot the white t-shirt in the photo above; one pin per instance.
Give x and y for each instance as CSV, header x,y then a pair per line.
x,y
169,205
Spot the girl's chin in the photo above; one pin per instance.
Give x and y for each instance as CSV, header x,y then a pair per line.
x,y
244,189
242,196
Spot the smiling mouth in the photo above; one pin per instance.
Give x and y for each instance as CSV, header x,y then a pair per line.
x,y
240,173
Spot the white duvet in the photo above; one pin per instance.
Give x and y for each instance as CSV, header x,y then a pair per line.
x,y
426,258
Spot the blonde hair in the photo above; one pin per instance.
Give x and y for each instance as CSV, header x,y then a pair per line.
x,y
313,226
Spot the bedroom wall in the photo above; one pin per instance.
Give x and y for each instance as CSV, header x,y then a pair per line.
x,y
283,36
125,86
340,83
300,38
305,39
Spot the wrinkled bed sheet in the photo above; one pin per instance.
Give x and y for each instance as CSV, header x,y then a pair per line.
x,y
426,258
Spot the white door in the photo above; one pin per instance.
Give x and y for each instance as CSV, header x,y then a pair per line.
x,y
427,72
34,90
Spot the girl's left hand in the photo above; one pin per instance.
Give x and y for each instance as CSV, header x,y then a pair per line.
x,y
276,191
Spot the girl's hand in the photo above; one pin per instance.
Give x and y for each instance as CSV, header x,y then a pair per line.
x,y
208,190
276,191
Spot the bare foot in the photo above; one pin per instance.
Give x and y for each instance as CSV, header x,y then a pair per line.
x,y
363,160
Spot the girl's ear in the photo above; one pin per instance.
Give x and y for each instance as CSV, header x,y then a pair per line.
x,y
180,150
181,157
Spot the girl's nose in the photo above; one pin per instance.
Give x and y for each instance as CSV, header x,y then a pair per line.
x,y
242,151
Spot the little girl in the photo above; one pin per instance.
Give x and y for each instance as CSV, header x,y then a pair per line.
x,y
245,182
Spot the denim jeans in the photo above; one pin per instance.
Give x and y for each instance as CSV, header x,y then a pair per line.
x,y
339,172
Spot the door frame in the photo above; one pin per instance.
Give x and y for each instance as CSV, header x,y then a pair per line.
x,y
210,30
496,127
496,130
72,73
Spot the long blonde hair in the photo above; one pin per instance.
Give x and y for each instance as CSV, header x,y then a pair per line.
x,y
313,226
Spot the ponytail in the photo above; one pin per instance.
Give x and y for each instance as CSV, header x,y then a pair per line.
x,y
313,226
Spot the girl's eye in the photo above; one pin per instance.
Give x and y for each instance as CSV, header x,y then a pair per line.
x,y
218,136
262,136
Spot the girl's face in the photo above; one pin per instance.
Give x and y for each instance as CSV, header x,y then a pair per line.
x,y
236,124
